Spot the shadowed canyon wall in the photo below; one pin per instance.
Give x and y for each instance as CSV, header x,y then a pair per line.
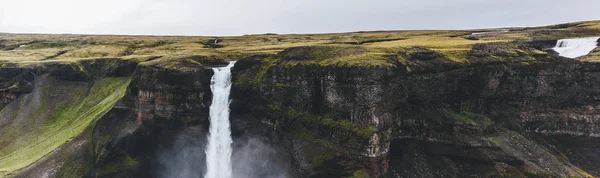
x,y
501,115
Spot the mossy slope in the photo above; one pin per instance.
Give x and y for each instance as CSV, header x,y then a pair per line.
x,y
56,111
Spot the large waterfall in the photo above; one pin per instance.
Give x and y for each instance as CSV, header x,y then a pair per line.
x,y
218,151
576,47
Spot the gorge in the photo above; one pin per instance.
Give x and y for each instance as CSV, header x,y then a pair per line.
x,y
458,103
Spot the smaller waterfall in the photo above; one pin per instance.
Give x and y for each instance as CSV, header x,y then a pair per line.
x,y
576,47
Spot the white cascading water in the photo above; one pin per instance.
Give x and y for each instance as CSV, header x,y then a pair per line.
x,y
218,151
576,47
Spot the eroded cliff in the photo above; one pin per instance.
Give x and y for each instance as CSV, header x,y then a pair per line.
x,y
490,117
404,104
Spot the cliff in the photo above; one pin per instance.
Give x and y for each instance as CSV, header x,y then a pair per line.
x,y
486,118
371,104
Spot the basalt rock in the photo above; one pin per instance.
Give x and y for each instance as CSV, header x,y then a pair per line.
x,y
491,119
541,43
508,111
161,107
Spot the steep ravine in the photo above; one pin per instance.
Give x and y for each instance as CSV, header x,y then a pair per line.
x,y
524,115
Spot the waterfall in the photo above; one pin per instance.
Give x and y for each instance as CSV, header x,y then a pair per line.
x,y
575,47
218,151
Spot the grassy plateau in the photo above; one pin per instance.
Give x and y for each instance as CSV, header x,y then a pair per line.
x,y
373,47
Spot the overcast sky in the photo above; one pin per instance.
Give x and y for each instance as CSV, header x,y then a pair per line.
x,y
238,17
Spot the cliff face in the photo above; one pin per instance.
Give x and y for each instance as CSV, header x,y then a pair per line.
x,y
56,104
487,119
106,117
395,104
160,107
438,119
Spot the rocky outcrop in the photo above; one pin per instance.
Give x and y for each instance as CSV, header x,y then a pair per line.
x,y
159,106
162,94
15,81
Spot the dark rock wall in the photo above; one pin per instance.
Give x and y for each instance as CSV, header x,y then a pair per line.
x,y
160,113
448,123
161,94
486,119
161,108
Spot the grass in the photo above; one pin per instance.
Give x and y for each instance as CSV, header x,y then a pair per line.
x,y
253,80
594,56
434,42
53,114
92,51
452,43
54,120
366,59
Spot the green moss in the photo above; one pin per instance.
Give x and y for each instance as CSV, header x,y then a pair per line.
x,y
60,119
360,174
120,163
328,136
511,133
362,131
456,55
75,165
281,85
581,173
479,119
254,77
273,107
497,141
101,141
402,60
328,123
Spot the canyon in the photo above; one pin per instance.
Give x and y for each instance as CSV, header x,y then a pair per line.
x,y
367,104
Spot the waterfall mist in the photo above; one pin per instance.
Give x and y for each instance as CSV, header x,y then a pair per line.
x,y
214,153
185,157
254,157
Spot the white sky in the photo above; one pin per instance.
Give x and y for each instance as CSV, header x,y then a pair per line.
x,y
238,17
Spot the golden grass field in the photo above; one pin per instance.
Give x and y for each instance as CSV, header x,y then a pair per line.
x,y
33,48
